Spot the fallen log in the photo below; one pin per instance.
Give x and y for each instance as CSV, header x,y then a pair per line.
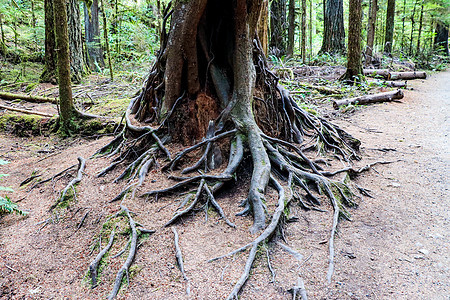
x,y
366,99
408,75
29,98
377,73
24,111
390,83
321,89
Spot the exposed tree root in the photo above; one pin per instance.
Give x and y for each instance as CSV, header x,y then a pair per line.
x,y
299,291
72,183
94,264
179,257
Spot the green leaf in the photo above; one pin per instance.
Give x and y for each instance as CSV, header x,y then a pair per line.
x,y
6,189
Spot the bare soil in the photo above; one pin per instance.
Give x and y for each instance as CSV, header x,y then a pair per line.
x,y
396,247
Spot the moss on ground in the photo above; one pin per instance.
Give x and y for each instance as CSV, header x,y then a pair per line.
x,y
26,125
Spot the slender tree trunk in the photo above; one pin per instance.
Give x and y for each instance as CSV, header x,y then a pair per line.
x,y
310,30
303,33
403,25
373,8
92,31
66,105
334,34
354,65
278,27
291,28
105,36
420,28
441,38
3,48
49,73
77,63
413,22
389,34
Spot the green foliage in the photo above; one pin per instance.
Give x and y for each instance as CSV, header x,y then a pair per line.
x,y
6,205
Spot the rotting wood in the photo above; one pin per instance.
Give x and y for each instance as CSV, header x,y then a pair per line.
x,y
408,75
28,98
366,99
28,112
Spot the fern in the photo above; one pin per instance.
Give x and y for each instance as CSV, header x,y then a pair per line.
x,y
7,206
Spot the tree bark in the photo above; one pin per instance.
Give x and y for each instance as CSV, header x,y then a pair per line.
x,y
77,63
367,99
389,34
105,36
354,71
303,32
441,38
278,28
3,46
291,29
263,27
49,73
333,22
92,35
373,8
66,106
420,28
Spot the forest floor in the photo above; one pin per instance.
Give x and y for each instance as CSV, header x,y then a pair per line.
x,y
396,247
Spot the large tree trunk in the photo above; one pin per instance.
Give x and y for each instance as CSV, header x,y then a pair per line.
x,y
77,64
263,27
49,73
333,23
66,106
373,8
278,27
441,38
211,90
389,34
354,65
92,35
303,31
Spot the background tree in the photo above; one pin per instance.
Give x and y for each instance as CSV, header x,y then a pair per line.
x,y
49,73
278,27
77,63
291,29
92,35
333,24
441,38
389,35
354,65
373,8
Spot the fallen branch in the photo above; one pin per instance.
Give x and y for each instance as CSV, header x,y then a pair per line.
x,y
24,111
366,99
29,98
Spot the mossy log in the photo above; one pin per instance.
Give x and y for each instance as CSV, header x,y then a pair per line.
x,y
377,73
29,98
366,99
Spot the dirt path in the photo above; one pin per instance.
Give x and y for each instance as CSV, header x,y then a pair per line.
x,y
397,246
401,238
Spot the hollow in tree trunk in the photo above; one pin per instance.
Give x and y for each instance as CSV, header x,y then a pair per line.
x,y
333,22
211,90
